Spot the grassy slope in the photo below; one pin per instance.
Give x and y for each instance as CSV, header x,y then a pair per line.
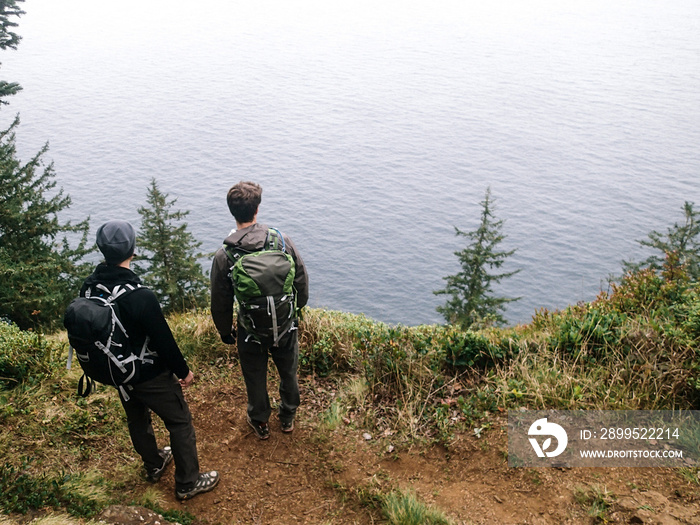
x,y
632,349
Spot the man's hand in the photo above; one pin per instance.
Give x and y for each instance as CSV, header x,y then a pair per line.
x,y
229,339
188,380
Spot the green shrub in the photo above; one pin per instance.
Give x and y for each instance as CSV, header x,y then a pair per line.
x,y
467,349
688,314
319,359
335,342
392,366
659,297
326,341
633,348
23,492
25,357
588,331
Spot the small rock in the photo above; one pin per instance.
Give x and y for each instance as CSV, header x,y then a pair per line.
x,y
367,436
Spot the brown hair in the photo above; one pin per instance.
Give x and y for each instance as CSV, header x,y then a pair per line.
x,y
243,200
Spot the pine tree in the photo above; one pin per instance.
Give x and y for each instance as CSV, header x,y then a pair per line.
x,y
8,40
39,271
472,302
170,266
681,240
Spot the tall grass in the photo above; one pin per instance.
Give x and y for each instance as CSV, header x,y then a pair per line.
x,y
404,508
639,373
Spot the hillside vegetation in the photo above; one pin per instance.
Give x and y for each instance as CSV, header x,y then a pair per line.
x,y
635,347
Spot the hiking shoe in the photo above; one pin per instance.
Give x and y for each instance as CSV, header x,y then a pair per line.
x,y
154,475
261,429
206,482
287,428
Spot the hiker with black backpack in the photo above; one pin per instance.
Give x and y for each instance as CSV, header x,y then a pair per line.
x,y
262,270
121,338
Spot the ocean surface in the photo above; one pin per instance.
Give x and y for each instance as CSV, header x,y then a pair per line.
x,y
375,128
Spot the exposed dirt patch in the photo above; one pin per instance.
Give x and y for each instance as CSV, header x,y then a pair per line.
x,y
130,515
316,477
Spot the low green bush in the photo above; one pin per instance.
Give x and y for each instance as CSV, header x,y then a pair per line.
x,y
467,349
23,492
26,357
588,332
326,341
688,314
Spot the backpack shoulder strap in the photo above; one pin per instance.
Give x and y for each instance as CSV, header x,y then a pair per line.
x,y
231,253
119,291
274,240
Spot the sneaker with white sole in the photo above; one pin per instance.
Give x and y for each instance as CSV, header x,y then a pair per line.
x,y
262,430
154,475
206,482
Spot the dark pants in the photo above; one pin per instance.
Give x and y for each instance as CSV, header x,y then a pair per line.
x,y
254,358
163,396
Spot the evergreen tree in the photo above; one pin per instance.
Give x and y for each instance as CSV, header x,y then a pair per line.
x,y
8,40
171,269
681,240
39,271
472,302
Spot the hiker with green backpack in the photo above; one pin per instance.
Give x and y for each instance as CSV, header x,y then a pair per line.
x,y
120,337
262,270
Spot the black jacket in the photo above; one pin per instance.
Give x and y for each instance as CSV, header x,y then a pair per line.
x,y
250,239
142,317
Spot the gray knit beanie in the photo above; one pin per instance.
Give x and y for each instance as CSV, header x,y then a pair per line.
x,y
116,240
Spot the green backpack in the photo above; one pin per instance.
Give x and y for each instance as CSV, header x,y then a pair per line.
x,y
263,284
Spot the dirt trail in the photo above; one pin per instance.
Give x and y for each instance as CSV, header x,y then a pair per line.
x,y
315,478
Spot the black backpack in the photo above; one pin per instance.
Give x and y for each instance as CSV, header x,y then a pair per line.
x,y
263,283
103,348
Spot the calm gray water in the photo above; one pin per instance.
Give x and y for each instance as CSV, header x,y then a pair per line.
x,y
375,129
